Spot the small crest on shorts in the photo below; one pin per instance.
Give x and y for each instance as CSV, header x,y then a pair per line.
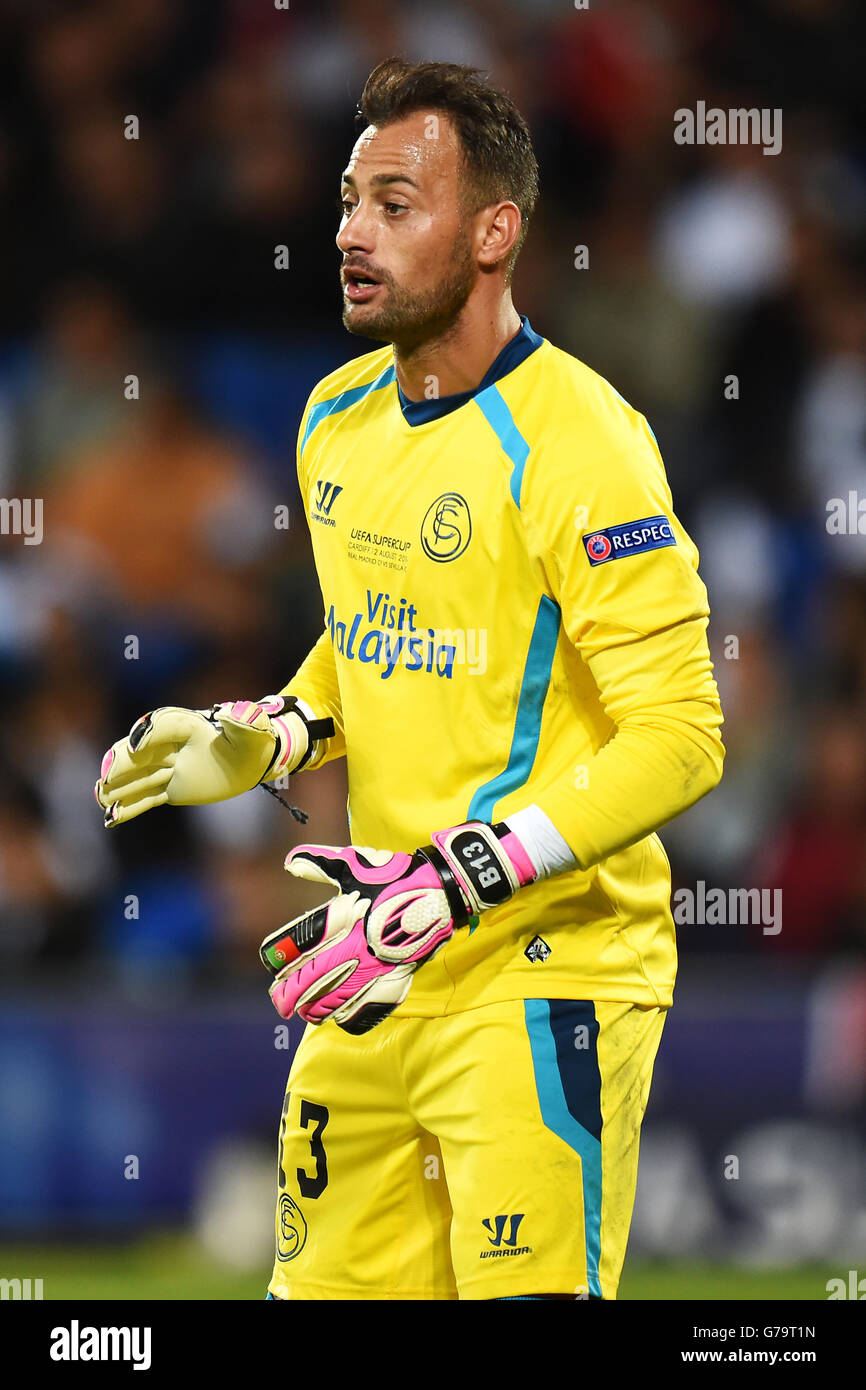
x,y
291,1228
537,949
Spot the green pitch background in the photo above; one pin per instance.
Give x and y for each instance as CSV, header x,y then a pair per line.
x,y
170,1267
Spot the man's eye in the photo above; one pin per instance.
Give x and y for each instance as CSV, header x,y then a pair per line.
x,y
396,207
345,207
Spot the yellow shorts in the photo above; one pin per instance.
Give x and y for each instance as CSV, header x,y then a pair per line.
x,y
486,1154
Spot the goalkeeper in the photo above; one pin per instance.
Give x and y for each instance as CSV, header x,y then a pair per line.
x,y
514,664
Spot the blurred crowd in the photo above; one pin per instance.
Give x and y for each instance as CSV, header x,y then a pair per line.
x,y
154,363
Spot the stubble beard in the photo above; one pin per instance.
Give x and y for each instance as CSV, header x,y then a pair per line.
x,y
409,320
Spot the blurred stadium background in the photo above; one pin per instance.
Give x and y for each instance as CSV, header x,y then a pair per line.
x,y
136,1036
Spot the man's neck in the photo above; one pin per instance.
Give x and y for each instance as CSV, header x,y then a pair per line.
x,y
459,359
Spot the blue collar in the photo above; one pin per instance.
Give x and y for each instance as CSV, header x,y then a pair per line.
x,y
524,342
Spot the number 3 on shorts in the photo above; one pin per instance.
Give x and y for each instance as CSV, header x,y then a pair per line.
x,y
309,1185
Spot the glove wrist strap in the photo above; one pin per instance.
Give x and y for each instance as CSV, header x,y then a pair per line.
x,y
480,861
459,904
316,730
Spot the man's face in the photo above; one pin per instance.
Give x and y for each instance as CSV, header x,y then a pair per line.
x,y
403,229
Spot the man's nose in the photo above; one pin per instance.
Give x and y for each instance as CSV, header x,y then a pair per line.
x,y
357,232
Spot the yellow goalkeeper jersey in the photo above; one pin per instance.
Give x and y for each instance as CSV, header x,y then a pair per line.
x,y
513,617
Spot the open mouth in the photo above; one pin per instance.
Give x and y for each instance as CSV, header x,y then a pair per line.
x,y
359,286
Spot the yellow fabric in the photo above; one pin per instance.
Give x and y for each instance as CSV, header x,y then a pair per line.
x,y
516,672
398,1146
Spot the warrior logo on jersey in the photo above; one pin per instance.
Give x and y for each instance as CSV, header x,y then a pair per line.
x,y
447,528
326,495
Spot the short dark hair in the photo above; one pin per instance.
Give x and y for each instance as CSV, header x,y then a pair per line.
x,y
498,159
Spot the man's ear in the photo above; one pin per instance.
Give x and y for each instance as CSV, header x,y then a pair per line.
x,y
498,230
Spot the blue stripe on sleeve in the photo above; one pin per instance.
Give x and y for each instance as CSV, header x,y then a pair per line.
x,y
501,421
527,723
342,402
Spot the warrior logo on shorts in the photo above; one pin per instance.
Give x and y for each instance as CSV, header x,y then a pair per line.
x,y
291,1228
504,1244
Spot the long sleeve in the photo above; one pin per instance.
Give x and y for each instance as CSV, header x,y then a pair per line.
x,y
315,683
636,619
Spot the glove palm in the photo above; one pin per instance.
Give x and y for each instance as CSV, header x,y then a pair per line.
x,y
187,757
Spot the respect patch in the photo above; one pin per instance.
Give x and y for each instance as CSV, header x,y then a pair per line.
x,y
632,538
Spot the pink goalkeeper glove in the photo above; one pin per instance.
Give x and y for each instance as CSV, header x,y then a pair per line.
x,y
353,958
